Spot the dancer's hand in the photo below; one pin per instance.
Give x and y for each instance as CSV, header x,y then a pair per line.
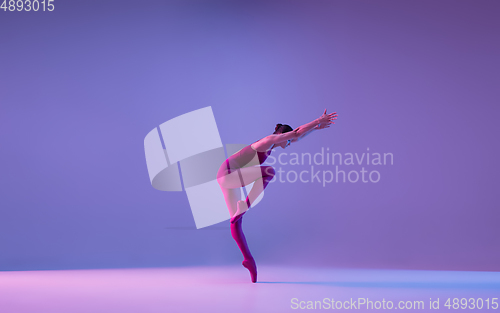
x,y
322,126
325,120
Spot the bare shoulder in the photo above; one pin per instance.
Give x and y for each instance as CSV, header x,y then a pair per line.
x,y
264,144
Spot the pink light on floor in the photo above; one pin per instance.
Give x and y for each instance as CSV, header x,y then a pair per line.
x,y
228,289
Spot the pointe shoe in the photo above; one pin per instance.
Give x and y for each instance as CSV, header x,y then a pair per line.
x,y
252,268
242,209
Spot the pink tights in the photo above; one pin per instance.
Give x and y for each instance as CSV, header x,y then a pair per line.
x,y
239,237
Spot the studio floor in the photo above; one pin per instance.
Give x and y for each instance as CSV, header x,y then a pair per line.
x,y
228,289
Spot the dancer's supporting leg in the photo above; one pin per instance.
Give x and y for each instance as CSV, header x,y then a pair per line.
x,y
239,237
232,196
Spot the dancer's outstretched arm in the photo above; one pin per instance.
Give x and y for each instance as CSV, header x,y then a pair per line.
x,y
298,133
323,122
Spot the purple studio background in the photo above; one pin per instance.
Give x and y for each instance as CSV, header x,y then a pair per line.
x,y
81,87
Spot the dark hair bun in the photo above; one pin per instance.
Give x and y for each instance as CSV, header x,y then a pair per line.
x,y
278,127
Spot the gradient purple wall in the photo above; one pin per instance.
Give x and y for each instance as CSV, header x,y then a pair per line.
x,y
80,88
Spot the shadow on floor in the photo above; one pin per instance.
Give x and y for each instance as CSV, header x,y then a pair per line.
x,y
412,285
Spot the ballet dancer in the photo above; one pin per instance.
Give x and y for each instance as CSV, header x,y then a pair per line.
x,y
245,167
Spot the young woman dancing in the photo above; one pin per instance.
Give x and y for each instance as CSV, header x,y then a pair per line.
x,y
245,167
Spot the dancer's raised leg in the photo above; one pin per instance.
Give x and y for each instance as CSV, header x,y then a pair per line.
x,y
260,184
267,174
